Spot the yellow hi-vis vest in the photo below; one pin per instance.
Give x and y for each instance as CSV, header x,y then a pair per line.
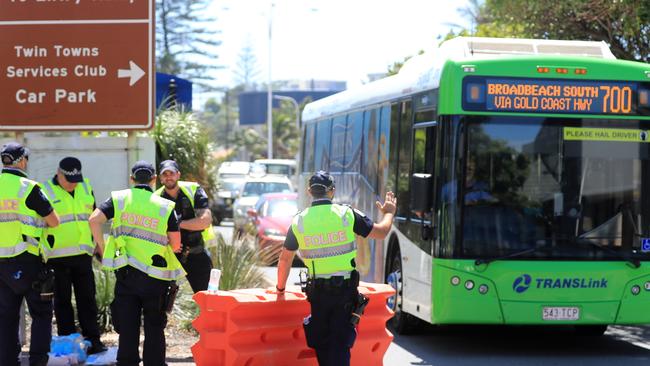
x,y
326,241
139,233
20,227
72,236
189,189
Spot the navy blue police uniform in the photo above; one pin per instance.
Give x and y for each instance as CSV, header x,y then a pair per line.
x,y
75,271
196,262
135,290
329,330
19,278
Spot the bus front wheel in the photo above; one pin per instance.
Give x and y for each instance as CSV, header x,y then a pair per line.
x,y
400,321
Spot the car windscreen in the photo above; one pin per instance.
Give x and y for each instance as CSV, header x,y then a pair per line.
x,y
259,188
230,185
281,208
281,169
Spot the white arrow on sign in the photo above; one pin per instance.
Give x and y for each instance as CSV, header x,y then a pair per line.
x,y
134,72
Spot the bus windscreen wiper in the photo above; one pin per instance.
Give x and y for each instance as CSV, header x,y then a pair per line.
x,y
609,230
633,261
480,261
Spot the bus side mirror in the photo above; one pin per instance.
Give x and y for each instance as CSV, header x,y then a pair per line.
x,y
421,192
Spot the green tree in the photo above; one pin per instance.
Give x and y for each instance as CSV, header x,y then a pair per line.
x,y
623,24
180,136
286,135
246,71
184,44
220,117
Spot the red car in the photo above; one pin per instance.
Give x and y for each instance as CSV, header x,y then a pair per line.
x,y
269,222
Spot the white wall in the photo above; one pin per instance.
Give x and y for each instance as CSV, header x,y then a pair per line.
x,y
104,160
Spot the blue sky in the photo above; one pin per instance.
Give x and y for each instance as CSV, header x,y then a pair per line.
x,y
329,39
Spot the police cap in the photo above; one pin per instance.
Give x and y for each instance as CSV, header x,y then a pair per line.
x,y
13,152
168,165
321,179
71,168
143,170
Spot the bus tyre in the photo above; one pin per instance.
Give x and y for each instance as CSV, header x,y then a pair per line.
x,y
591,330
401,322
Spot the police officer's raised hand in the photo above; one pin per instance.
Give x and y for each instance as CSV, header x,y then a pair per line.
x,y
389,205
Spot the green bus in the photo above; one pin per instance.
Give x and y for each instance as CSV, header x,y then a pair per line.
x,y
522,173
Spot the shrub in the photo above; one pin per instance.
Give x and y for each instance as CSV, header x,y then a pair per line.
x,y
239,264
105,286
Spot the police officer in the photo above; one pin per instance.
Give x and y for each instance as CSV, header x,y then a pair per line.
x,y
24,212
324,235
69,248
192,207
144,234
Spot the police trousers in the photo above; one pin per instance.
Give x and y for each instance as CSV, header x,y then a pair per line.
x,y
17,277
198,266
75,271
328,330
139,296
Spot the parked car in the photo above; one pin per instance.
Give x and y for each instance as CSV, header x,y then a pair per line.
x,y
230,178
269,221
252,189
286,167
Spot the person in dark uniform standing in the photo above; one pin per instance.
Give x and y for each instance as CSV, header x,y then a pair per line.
x,y
24,212
192,207
144,234
69,248
324,236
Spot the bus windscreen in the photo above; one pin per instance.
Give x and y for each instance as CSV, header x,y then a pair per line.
x,y
528,95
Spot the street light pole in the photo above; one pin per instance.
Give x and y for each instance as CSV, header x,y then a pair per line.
x,y
269,92
295,105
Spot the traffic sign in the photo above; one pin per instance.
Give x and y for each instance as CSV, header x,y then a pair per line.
x,y
76,64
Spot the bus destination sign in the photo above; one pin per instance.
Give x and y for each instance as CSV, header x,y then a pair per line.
x,y
494,94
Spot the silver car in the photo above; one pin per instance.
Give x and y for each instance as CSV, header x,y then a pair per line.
x,y
251,190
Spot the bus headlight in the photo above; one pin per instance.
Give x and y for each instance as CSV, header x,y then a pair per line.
x,y
469,284
483,289
647,286
636,289
455,280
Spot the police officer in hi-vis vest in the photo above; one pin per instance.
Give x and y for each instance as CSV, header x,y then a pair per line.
x,y
324,236
144,235
192,207
24,212
69,249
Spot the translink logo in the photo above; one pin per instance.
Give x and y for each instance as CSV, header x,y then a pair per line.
x,y
523,282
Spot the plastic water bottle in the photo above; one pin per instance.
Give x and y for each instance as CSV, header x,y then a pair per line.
x,y
213,285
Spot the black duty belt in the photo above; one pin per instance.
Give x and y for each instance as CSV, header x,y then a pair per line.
x,y
332,282
196,249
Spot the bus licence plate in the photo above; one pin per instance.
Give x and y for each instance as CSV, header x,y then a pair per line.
x,y
560,313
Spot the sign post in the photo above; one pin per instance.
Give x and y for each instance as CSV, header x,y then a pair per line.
x,y
76,65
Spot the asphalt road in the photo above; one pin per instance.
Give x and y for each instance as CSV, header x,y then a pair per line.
x,y
502,346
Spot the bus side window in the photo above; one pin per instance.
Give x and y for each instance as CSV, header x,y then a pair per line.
x,y
308,148
354,142
404,160
322,154
383,142
369,168
424,145
338,147
391,182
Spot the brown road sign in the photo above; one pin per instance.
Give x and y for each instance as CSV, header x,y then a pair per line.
x,y
76,64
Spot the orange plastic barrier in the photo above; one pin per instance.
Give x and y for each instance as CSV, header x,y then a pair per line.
x,y
254,328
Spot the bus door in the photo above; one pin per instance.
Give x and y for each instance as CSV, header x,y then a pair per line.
x,y
419,228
